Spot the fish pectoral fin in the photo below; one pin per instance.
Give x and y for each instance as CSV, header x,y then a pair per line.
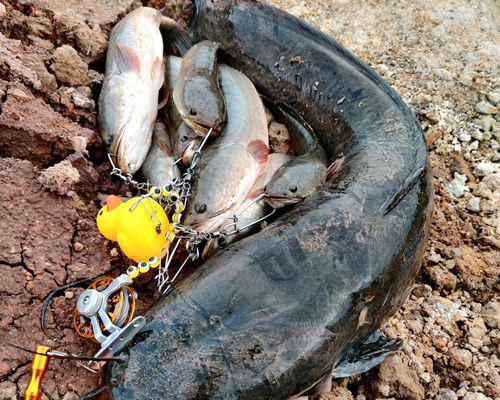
x,y
127,59
166,95
366,354
157,69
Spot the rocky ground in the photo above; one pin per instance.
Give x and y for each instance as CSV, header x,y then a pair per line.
x,y
442,56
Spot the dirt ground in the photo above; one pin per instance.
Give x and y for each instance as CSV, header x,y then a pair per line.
x,y
442,57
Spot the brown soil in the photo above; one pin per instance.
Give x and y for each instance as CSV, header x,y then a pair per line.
x,y
53,170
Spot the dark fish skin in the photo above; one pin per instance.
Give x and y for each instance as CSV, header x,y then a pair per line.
x,y
273,314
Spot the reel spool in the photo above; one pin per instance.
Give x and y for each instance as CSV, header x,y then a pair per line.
x,y
106,305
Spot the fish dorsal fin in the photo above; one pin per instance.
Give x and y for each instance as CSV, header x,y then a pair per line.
x,y
127,59
365,355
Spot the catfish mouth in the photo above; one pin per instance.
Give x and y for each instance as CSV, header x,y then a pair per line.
x,y
278,201
114,151
202,128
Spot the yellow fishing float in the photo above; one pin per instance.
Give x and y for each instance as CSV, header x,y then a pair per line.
x,y
139,225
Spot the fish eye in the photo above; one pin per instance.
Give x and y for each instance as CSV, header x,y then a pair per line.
x,y
109,140
200,208
292,188
192,111
222,242
100,212
184,138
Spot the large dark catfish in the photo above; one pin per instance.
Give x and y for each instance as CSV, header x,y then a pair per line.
x,y
273,314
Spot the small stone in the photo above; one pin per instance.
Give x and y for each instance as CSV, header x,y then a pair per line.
x,y
477,134
492,181
457,187
422,290
494,145
113,252
77,246
435,258
473,146
485,168
461,392
474,204
484,107
68,67
80,99
396,379
464,137
69,294
18,94
486,123
460,359
491,314
424,99
493,97
446,394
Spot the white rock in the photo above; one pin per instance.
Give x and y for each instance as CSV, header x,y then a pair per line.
x,y
460,177
477,134
494,145
487,123
423,99
447,394
483,107
2,10
485,168
493,97
457,188
464,137
474,204
473,146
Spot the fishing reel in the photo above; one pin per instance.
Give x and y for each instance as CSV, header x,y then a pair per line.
x,y
105,313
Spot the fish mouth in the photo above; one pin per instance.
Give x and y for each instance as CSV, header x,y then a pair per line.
x,y
202,128
114,150
279,201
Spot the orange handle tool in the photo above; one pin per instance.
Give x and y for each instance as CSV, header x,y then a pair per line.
x,y
39,365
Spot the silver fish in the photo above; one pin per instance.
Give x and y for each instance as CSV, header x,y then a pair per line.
x,y
197,93
250,210
231,164
159,166
129,97
304,174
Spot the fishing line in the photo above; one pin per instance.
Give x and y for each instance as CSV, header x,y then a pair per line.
x,y
65,355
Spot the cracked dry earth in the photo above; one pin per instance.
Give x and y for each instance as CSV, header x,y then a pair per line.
x,y
442,56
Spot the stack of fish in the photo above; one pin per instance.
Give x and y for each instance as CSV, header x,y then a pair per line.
x,y
236,175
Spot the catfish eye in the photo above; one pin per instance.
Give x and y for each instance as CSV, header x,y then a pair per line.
x,y
292,188
108,140
184,138
193,112
200,208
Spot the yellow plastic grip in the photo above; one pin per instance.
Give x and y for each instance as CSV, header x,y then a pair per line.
x,y
39,366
